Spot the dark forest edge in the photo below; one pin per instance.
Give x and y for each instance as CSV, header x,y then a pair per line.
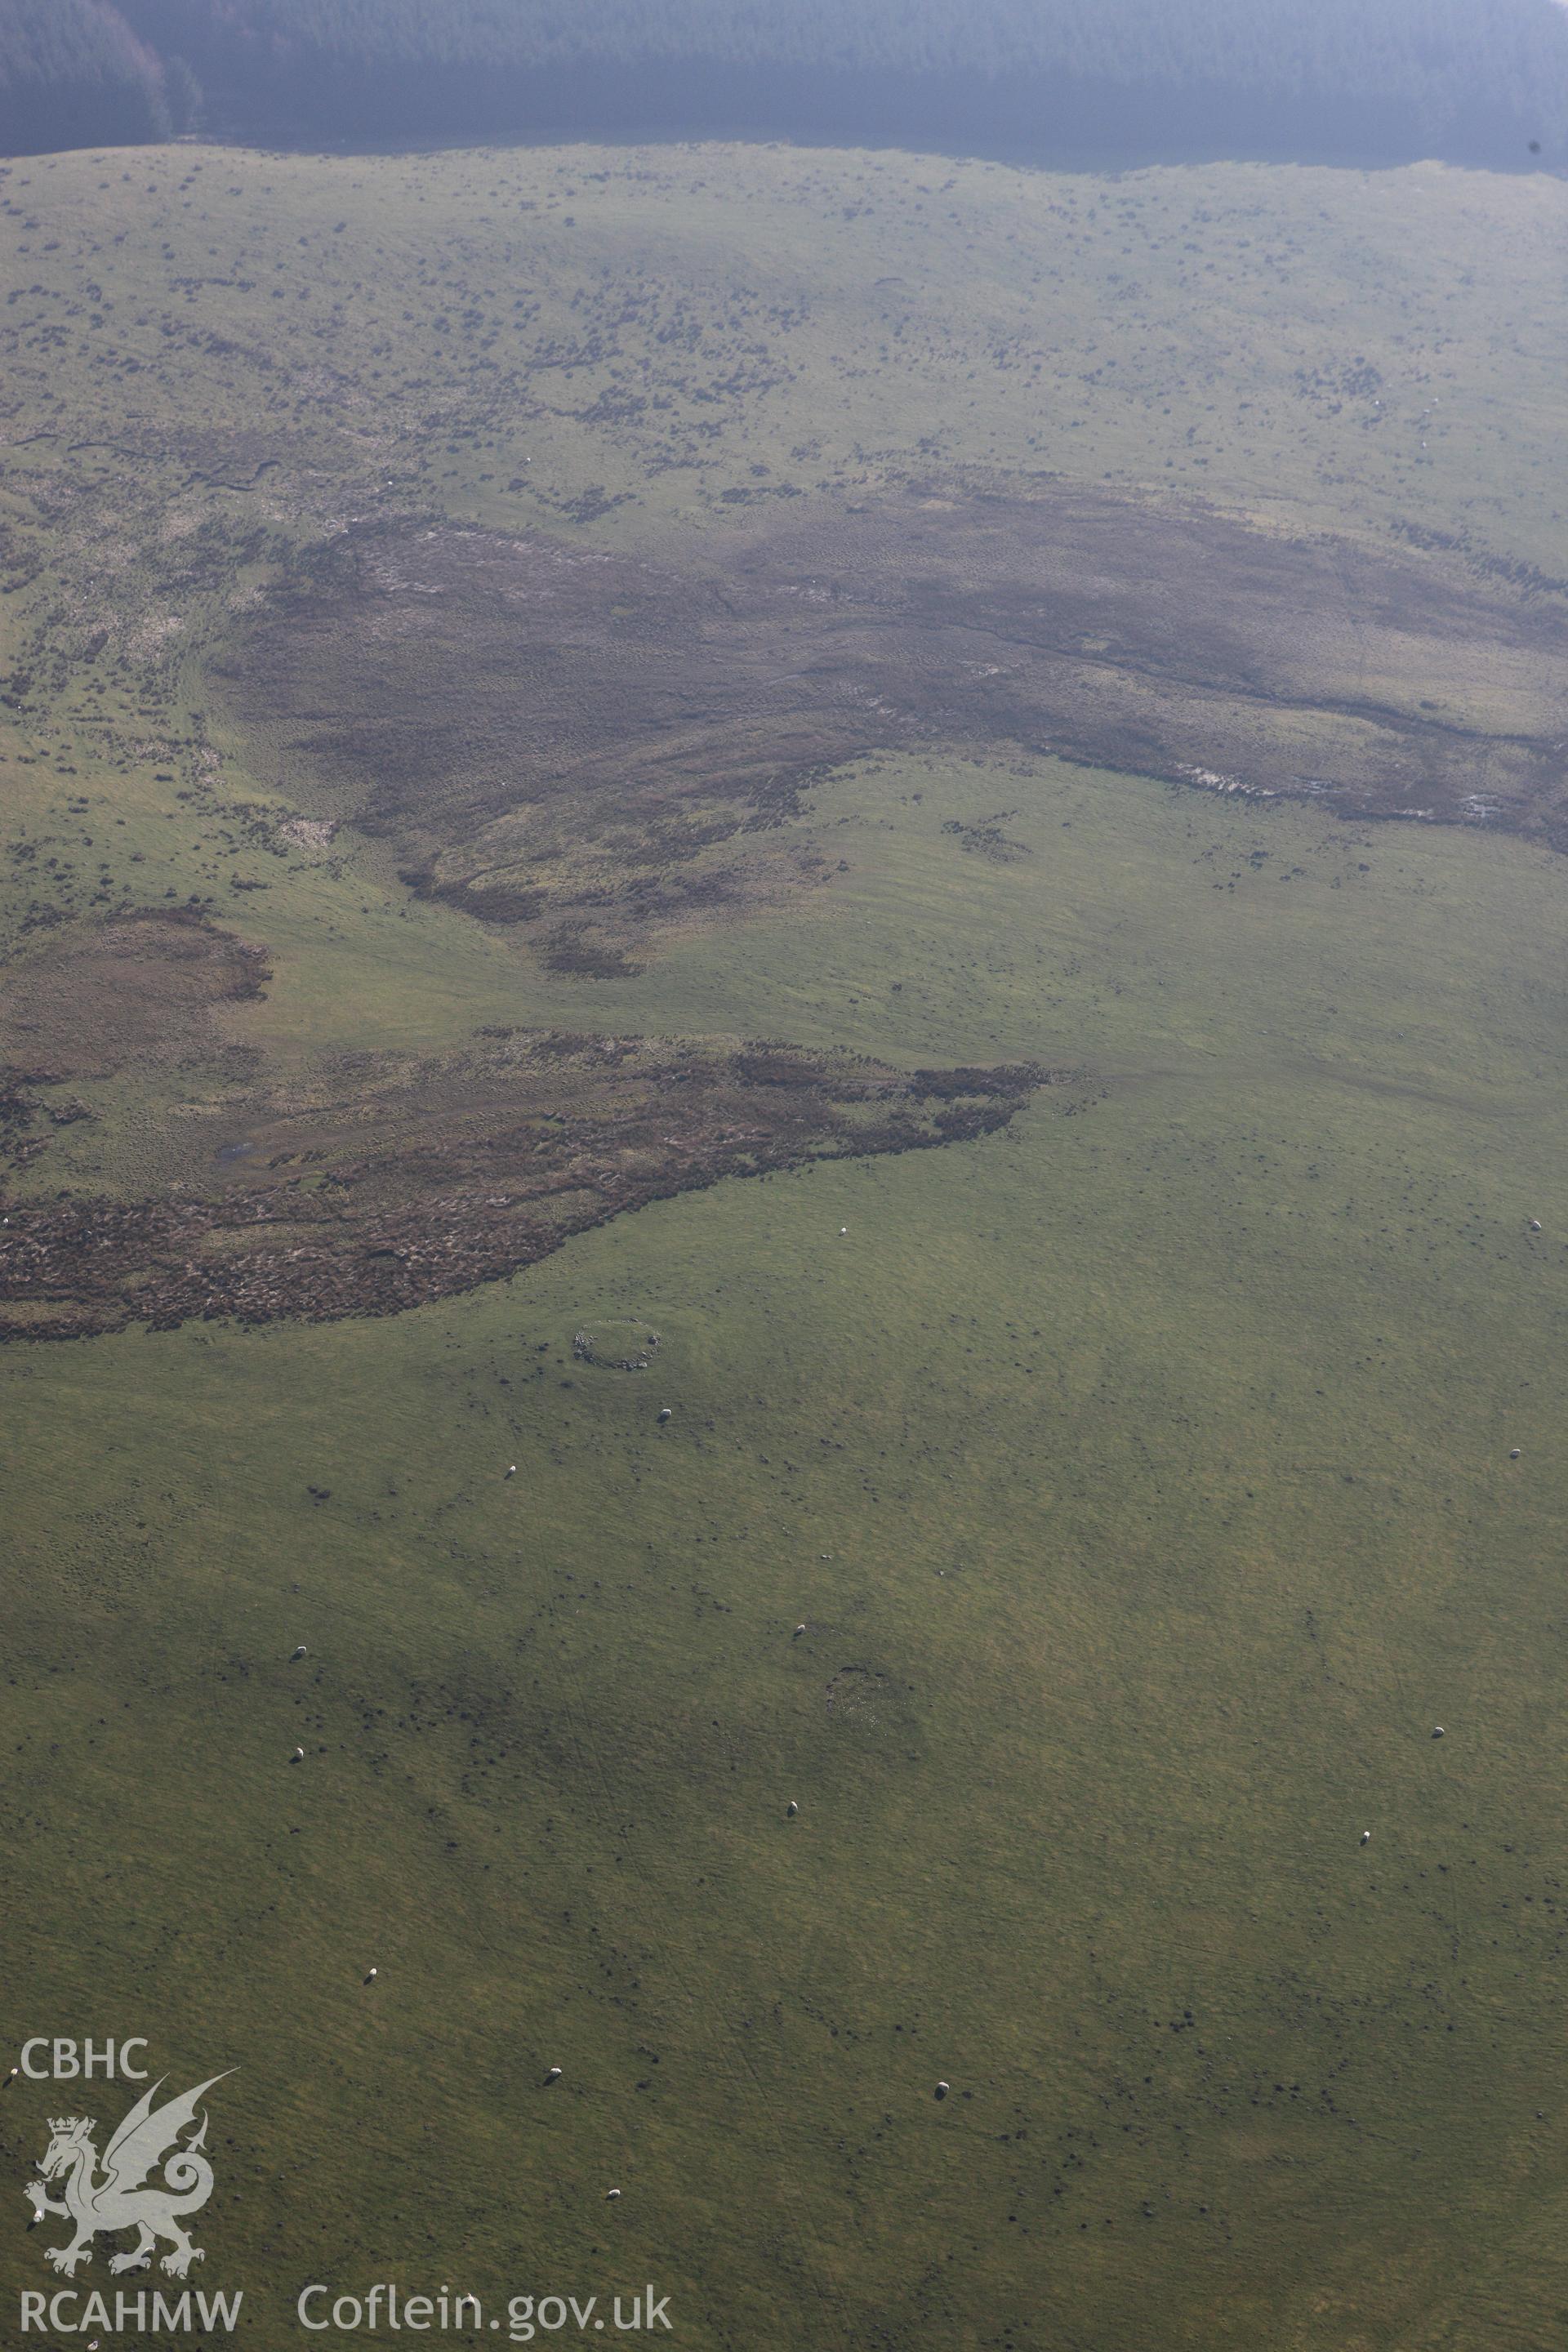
x,y
1080,83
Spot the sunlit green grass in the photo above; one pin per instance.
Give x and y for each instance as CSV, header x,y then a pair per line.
x,y
1140,1476
1159,1456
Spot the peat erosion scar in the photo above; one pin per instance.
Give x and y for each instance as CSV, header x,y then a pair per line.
x,y
596,747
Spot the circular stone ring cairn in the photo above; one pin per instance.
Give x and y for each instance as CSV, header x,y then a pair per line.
x,y
615,1346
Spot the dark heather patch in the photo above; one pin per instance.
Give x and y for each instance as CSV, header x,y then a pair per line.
x,y
393,1182
596,749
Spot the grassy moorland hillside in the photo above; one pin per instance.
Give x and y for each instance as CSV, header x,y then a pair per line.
x,y
1084,1518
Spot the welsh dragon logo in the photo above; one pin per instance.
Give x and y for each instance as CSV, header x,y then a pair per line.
x,y
123,2196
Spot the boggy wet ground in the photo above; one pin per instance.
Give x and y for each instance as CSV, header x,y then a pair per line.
x,y
598,748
